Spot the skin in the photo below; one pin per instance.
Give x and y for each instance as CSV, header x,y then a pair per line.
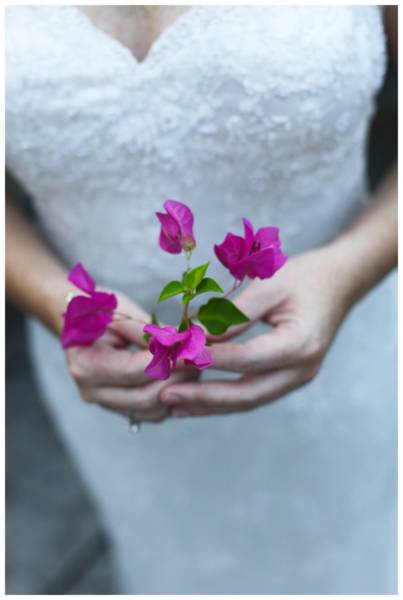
x,y
136,27
305,302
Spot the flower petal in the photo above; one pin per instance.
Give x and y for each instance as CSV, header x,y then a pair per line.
x,y
249,236
170,234
78,337
182,215
259,264
171,246
202,360
89,313
105,302
83,322
281,259
230,251
159,367
167,336
266,236
192,345
81,279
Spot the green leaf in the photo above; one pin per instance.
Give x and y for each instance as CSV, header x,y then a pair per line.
x,y
219,314
154,321
194,277
173,288
208,285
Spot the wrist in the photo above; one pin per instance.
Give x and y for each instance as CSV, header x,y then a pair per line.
x,y
349,268
54,302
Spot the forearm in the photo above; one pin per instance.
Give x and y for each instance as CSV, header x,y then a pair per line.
x,y
35,279
367,252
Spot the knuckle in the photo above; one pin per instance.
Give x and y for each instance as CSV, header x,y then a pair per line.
x,y
85,395
128,367
312,349
198,395
144,402
198,398
77,371
253,364
252,359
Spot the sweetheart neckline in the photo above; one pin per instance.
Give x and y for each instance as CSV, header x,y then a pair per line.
x,y
166,32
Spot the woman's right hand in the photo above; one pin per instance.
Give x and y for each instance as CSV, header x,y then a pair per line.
x,y
108,373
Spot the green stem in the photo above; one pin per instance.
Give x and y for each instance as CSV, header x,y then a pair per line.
x,y
188,256
125,316
185,316
237,284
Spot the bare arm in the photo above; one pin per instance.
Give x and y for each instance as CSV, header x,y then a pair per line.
x,y
369,248
372,241
35,279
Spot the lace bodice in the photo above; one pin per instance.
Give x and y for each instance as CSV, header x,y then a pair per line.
x,y
238,111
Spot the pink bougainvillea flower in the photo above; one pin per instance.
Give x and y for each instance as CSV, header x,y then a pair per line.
x,y
254,255
86,317
168,345
176,227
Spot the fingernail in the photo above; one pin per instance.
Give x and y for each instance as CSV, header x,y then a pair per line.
x,y
179,412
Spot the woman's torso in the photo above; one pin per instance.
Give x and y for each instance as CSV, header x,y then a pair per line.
x,y
238,111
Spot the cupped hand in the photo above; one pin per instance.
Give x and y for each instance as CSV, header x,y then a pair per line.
x,y
304,304
110,374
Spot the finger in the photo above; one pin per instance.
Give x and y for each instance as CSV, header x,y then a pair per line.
x,y
155,415
160,412
103,364
142,398
196,410
131,329
222,396
270,351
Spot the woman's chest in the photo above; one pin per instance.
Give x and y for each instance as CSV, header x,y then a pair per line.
x,y
222,85
135,27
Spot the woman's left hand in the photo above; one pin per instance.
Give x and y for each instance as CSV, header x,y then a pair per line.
x,y
305,303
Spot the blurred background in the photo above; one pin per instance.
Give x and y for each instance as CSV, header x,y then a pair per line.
x,y
54,542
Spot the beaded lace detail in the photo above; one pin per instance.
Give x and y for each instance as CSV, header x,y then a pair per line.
x,y
238,111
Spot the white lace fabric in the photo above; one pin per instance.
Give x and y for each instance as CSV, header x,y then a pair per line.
x,y
273,128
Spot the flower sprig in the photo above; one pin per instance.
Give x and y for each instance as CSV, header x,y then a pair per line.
x,y
255,255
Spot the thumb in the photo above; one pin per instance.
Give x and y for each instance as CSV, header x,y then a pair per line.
x,y
129,321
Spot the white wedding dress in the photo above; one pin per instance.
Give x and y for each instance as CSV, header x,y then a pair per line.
x,y
238,111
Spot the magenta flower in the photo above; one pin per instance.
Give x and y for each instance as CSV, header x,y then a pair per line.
x,y
86,317
176,227
255,255
168,346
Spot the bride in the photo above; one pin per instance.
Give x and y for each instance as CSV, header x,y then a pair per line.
x,y
261,112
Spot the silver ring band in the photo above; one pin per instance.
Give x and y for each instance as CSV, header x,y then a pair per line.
x,y
134,425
